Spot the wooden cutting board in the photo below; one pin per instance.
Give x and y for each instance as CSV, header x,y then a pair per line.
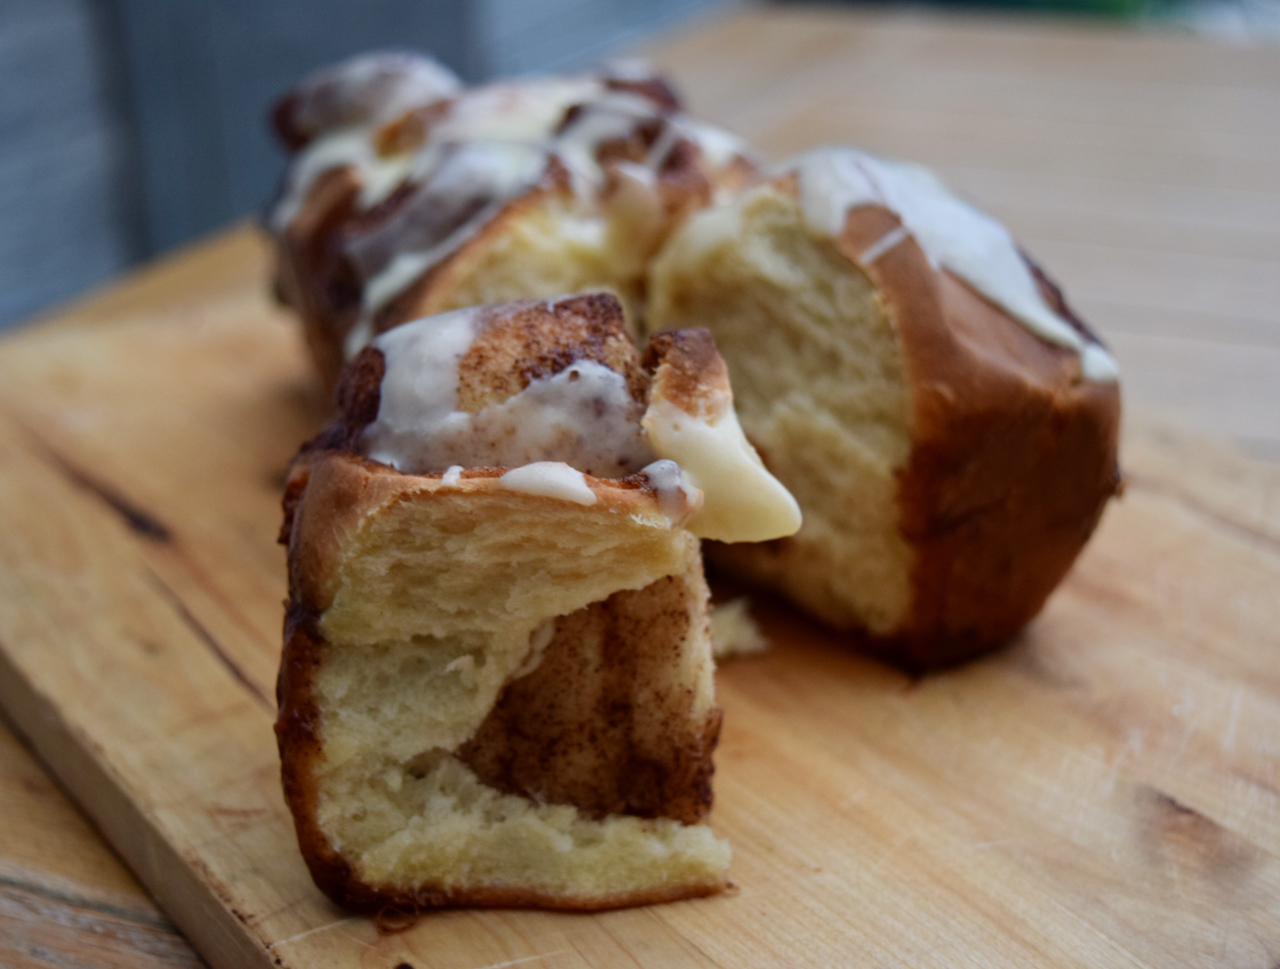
x,y
1105,792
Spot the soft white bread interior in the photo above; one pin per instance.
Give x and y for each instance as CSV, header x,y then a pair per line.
x,y
820,385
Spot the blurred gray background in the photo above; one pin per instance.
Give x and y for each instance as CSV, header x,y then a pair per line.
x,y
130,126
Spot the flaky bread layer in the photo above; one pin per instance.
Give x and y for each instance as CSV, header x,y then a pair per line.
x,y
426,694
350,504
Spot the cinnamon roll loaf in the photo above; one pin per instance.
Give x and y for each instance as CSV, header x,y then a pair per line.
x,y
947,423
496,686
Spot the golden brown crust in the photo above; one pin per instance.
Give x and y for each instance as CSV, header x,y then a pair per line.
x,y
361,898
298,738
358,397
654,87
340,489
317,277
339,492
410,130
313,277
689,372
684,185
430,292
352,93
1013,454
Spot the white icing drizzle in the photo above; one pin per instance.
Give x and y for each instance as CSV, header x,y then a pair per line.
x,y
703,470
354,147
583,416
952,234
507,133
358,336
452,476
678,498
492,172
343,107
1098,365
743,502
718,146
628,68
528,110
884,244
420,385
551,479
662,147
514,113
373,88
611,116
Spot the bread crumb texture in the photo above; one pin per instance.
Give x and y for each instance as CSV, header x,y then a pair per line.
x,y
540,246
447,715
734,631
819,384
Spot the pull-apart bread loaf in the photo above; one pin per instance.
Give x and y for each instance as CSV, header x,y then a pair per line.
x,y
948,426
496,686
407,195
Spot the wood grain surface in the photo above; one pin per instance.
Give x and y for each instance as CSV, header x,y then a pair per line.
x,y
64,898
1104,792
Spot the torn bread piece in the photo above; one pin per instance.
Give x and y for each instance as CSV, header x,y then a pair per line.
x,y
948,426
496,686
407,195
734,631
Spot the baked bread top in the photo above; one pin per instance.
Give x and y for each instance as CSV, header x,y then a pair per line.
x,y
401,182
555,393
